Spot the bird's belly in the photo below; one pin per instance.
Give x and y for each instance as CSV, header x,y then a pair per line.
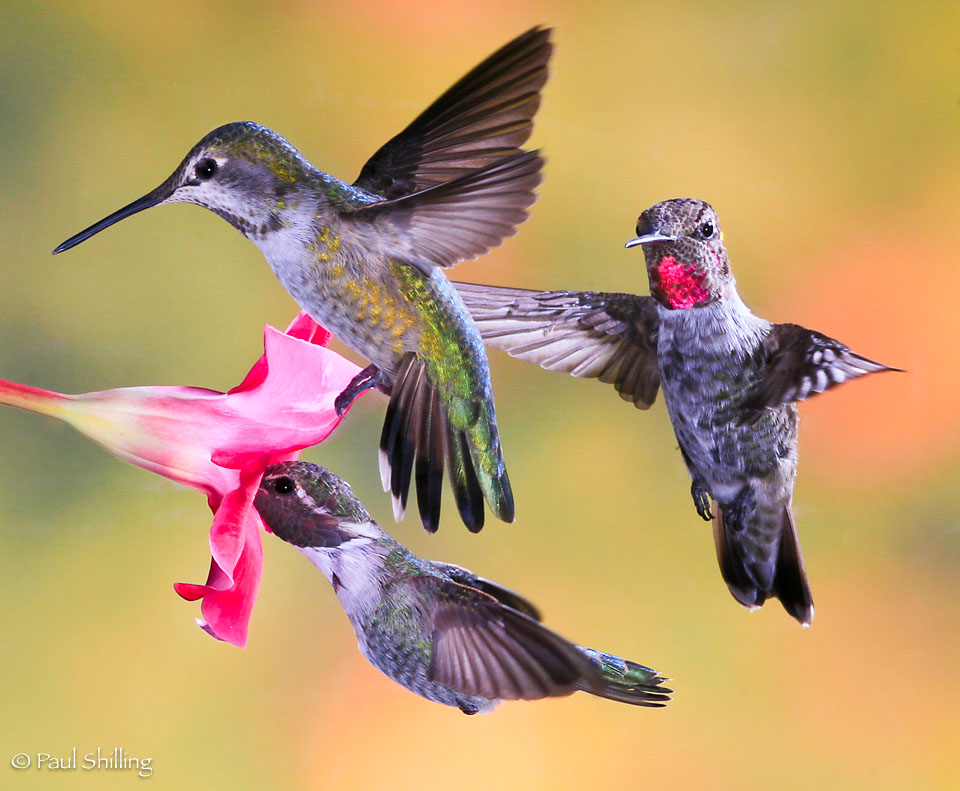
x,y
703,393
361,308
404,660
383,309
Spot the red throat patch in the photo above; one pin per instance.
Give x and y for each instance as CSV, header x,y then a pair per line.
x,y
681,285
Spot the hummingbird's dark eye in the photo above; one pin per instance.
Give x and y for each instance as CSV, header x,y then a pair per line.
x,y
707,230
284,486
205,169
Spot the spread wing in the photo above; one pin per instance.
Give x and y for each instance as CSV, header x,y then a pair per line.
x,y
611,337
501,593
801,364
485,117
481,647
449,222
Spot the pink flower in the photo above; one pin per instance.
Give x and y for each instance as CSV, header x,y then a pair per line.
x,y
219,443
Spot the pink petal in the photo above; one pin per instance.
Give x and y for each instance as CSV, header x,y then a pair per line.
x,y
219,443
291,407
232,582
229,522
226,614
253,378
306,329
227,607
303,328
236,564
43,402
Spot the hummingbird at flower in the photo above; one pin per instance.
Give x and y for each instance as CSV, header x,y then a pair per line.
x,y
366,260
435,628
730,381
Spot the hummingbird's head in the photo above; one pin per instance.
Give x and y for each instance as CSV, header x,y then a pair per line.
x,y
244,172
308,506
683,246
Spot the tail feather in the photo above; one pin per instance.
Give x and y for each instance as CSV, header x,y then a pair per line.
x,y
791,585
732,567
789,582
406,442
463,479
417,429
483,441
431,452
626,682
398,440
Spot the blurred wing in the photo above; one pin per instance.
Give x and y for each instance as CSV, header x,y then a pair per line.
x,y
484,117
502,594
803,363
482,648
449,222
611,337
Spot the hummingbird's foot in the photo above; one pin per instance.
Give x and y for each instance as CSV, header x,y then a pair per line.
x,y
701,500
739,511
369,378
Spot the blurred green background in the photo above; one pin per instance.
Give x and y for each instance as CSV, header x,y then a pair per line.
x,y
826,135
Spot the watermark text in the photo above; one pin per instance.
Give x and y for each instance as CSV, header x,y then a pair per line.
x,y
100,759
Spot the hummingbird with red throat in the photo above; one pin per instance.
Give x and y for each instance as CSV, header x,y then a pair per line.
x,y
730,381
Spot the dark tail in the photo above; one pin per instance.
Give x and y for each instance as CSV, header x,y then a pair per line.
x,y
626,681
789,582
417,429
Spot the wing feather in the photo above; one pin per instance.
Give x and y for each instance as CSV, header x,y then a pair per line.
x,y
802,363
611,337
484,117
481,647
449,222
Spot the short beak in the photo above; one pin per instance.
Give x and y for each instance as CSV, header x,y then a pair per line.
x,y
650,238
159,195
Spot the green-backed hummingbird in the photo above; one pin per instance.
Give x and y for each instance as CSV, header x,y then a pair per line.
x,y
366,260
730,382
435,628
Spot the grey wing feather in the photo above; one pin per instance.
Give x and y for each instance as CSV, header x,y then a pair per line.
x,y
450,222
611,337
801,364
501,593
486,116
482,648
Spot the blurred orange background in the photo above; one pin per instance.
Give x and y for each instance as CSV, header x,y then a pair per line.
x,y
826,137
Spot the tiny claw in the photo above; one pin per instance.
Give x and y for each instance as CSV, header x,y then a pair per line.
x,y
369,378
701,500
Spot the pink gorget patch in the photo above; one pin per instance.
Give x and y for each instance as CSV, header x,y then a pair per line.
x,y
681,285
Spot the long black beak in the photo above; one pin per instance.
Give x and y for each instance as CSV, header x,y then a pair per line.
x,y
650,238
158,195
